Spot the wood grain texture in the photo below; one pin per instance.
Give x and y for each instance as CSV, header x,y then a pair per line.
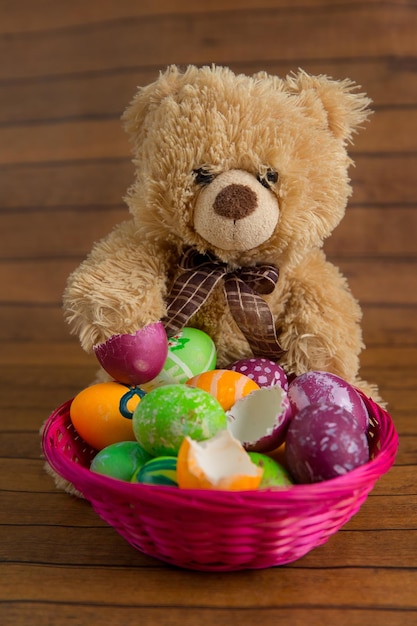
x,y
68,71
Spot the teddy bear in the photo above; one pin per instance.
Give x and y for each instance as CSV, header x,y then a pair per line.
x,y
238,181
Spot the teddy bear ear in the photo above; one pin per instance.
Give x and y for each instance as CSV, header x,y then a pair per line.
x,y
336,103
148,98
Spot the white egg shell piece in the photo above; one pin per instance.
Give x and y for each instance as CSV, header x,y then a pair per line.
x,y
223,456
260,420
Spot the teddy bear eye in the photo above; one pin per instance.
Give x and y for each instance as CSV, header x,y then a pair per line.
x,y
270,177
203,176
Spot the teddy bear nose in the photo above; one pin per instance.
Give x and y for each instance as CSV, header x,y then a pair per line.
x,y
235,201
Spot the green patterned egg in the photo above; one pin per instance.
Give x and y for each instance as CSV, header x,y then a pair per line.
x,y
159,471
190,352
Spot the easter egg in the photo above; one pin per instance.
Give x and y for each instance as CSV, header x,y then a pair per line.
x,y
274,474
324,441
102,414
190,352
219,463
168,414
263,371
134,358
316,386
225,385
260,420
120,460
159,471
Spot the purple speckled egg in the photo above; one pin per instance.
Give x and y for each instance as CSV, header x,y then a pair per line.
x,y
324,441
316,387
263,371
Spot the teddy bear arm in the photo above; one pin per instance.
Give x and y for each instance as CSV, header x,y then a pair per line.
x,y
321,329
119,288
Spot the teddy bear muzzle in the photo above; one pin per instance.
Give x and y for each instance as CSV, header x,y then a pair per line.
x,y
236,212
235,201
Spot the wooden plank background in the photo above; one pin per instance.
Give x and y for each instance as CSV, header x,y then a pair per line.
x,y
67,71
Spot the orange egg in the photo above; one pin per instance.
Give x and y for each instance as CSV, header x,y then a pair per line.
x,y
102,414
219,463
226,386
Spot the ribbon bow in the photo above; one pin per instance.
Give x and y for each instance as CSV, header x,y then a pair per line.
x,y
201,273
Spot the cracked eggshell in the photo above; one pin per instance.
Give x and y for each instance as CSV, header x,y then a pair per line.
x,y
260,420
134,358
264,372
316,387
219,463
324,441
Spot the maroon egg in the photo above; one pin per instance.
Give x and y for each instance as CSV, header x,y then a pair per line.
x,y
324,441
315,387
263,371
135,358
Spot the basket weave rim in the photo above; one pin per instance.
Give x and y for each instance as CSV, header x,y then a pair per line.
x,y
333,489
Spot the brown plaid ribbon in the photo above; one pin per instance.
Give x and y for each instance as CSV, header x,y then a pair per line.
x,y
201,274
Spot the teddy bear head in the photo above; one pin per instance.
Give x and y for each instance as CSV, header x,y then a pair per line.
x,y
250,168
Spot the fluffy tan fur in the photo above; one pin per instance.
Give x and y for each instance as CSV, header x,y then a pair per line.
x,y
210,118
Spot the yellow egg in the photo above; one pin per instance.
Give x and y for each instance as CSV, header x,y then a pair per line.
x,y
102,414
226,386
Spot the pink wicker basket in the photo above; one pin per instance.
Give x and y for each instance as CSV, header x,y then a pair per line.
x,y
221,531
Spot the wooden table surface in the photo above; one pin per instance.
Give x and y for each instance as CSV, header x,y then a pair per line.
x,y
68,69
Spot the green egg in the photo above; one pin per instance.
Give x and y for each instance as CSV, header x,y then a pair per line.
x,y
190,352
275,475
159,471
120,460
168,414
